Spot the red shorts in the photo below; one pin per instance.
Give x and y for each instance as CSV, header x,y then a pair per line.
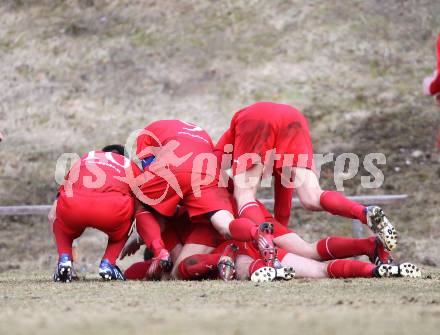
x,y
265,126
184,231
165,198
109,212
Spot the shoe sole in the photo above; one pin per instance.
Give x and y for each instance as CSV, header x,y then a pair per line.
x,y
406,270
226,268
380,225
64,274
285,273
105,276
264,275
409,270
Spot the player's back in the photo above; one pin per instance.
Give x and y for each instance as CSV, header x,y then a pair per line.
x,y
276,114
100,172
190,137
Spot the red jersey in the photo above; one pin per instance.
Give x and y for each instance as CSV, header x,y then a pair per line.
x,y
184,169
175,142
99,171
266,126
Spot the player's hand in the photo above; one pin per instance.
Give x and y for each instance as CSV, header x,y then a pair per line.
x,y
427,83
437,99
131,247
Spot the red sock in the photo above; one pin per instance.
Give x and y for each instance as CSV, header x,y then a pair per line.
x,y
149,230
198,266
64,240
251,211
255,265
137,271
337,204
113,249
335,247
243,229
345,268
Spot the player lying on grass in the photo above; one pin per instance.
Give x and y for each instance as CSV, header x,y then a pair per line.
x,y
93,196
261,132
169,151
237,260
308,259
242,259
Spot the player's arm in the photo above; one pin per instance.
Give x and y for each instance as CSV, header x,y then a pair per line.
x,y
132,246
219,148
135,241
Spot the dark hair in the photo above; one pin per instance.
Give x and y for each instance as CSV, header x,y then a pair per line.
x,y
116,148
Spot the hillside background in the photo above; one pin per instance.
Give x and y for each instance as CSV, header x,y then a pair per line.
x,y
76,75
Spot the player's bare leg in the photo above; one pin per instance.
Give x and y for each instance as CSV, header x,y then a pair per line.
x,y
335,247
293,243
245,190
305,267
313,198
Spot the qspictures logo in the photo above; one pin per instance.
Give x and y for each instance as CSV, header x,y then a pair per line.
x,y
160,164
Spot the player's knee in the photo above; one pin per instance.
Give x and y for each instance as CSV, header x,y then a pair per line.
x,y
311,203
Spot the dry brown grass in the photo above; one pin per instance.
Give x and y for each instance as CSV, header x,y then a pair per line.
x,y
31,304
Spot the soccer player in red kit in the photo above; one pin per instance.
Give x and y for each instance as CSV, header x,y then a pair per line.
x,y
431,84
270,138
94,195
180,168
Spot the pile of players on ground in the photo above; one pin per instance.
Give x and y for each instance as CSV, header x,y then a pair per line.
x,y
199,222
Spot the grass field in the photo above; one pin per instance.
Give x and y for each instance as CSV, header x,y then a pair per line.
x,y
32,304
77,75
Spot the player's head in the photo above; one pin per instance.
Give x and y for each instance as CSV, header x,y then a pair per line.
x,y
116,148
